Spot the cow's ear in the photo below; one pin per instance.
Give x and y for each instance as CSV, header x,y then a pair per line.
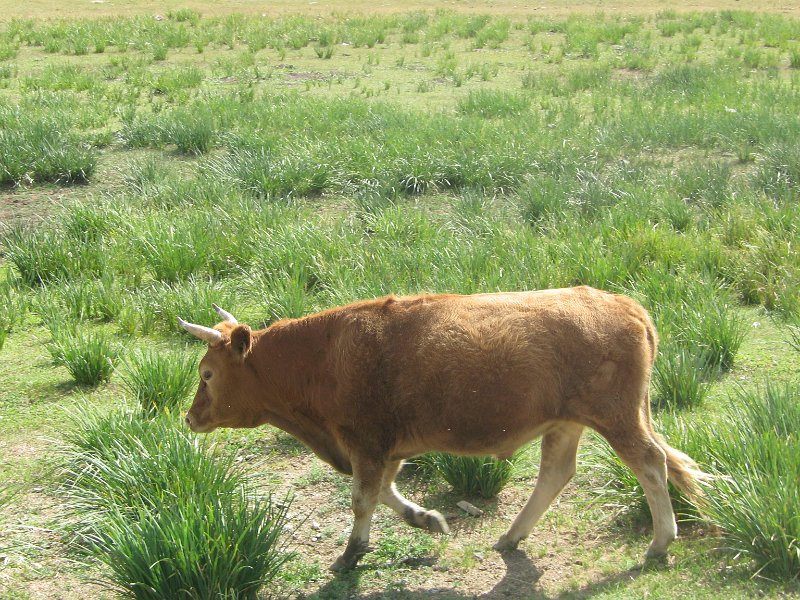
x,y
241,340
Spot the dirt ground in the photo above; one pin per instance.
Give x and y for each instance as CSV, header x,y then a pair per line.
x,y
556,556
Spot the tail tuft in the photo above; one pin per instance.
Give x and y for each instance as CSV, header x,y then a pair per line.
x,y
684,473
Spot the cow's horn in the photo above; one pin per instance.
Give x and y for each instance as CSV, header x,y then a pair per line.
x,y
226,316
212,336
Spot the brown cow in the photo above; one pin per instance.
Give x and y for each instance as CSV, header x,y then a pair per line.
x,y
370,384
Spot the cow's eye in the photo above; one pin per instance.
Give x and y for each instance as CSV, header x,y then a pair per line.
x,y
206,375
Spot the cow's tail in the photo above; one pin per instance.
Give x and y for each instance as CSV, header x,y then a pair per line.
x,y
684,473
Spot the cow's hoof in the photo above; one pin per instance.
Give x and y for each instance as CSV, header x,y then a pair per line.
x,y
351,556
342,564
436,523
432,520
655,553
506,543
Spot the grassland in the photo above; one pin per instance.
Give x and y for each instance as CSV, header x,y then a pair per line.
x,y
278,165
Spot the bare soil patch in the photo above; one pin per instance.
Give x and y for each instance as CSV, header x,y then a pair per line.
x,y
27,206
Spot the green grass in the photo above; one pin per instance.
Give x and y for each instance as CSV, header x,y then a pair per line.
x,y
39,147
753,503
282,165
89,356
160,380
143,490
472,476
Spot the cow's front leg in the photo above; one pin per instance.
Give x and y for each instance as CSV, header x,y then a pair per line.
x,y
413,514
367,479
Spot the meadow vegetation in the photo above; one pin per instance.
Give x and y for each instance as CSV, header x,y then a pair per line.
x,y
279,166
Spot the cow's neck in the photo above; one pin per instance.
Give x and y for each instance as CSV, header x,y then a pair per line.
x,y
297,383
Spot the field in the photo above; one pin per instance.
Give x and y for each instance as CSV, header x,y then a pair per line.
x,y
153,163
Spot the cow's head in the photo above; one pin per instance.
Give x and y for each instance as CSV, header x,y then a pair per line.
x,y
224,396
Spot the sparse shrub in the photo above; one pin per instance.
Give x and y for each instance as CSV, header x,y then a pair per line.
x,y
156,555
274,176
171,81
588,77
324,52
185,15
174,252
7,72
88,222
794,337
75,298
284,296
144,131
766,271
160,380
161,304
8,51
146,174
494,34
159,52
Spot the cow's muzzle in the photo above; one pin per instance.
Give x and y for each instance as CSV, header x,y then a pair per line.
x,y
192,424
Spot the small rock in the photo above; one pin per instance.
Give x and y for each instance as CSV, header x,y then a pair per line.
x,y
469,508
315,526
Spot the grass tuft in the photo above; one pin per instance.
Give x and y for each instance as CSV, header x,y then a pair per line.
x,y
89,356
472,476
680,378
160,380
493,104
756,503
165,517
36,148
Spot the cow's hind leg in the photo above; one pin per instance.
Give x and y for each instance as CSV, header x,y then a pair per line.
x,y
559,449
367,481
413,514
643,454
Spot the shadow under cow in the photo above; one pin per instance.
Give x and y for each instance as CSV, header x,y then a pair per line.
x,y
520,582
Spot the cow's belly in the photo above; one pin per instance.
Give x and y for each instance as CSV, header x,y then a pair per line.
x,y
499,439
